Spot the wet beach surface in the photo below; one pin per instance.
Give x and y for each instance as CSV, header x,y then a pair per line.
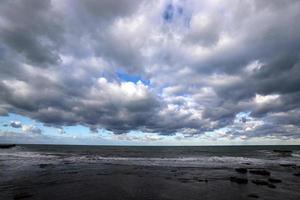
x,y
44,176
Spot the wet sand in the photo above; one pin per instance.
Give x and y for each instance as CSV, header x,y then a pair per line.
x,y
76,181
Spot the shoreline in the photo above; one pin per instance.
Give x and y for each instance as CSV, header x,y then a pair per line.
x,y
115,181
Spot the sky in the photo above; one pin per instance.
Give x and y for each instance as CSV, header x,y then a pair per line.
x,y
153,72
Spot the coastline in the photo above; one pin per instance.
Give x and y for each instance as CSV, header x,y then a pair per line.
x,y
81,175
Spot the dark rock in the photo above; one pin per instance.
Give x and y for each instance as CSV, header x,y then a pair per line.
x,y
297,174
22,195
102,174
199,179
73,172
274,180
271,185
44,165
288,165
184,180
239,180
260,172
260,182
7,146
241,170
253,196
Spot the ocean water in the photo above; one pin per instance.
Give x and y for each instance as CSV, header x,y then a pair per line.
x,y
22,156
136,172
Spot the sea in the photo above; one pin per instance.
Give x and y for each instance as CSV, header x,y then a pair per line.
x,y
174,156
64,172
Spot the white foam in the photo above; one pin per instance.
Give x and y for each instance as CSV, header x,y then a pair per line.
x,y
296,155
28,157
25,154
203,161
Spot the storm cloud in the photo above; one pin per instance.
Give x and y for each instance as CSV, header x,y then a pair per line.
x,y
200,65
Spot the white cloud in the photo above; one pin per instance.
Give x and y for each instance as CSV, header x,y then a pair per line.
x,y
206,61
31,129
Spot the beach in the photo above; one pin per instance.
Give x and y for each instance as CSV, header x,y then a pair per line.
x,y
50,172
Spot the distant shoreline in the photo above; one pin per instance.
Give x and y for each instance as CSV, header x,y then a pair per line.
x,y
6,146
90,145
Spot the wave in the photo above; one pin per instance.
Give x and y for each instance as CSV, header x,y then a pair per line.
x,y
214,161
297,155
195,161
202,162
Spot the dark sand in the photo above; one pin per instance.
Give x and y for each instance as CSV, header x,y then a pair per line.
x,y
73,181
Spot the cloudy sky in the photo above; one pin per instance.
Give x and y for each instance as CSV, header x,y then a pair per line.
x,y
183,72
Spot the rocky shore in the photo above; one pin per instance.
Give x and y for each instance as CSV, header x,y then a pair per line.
x,y
48,175
105,181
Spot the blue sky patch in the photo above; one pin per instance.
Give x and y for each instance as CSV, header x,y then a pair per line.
x,y
132,78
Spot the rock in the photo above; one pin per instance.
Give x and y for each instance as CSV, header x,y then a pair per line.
x,y
200,180
274,180
7,146
241,170
183,180
72,172
297,174
102,174
44,165
22,195
239,180
288,165
260,182
253,196
263,182
271,185
260,172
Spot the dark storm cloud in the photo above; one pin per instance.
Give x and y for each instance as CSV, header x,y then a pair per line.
x,y
205,62
31,29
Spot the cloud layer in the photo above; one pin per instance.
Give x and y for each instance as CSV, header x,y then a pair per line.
x,y
207,64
